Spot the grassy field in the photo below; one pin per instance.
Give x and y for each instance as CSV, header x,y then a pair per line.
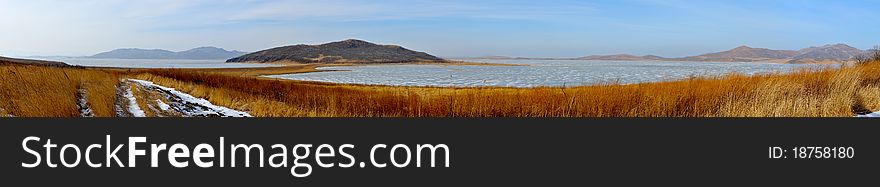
x,y
42,91
832,92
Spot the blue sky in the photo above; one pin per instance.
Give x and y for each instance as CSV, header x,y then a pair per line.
x,y
560,28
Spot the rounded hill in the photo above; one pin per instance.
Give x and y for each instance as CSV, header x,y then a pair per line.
x,y
348,51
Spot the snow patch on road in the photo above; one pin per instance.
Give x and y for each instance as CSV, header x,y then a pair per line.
x,y
83,105
209,108
133,107
871,115
162,105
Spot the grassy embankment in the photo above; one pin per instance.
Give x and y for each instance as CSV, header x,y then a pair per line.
x,y
37,91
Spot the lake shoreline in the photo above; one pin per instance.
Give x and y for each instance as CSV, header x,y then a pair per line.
x,y
537,74
444,63
281,69
772,61
276,68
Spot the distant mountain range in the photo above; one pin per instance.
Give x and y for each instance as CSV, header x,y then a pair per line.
x,y
820,54
348,51
201,53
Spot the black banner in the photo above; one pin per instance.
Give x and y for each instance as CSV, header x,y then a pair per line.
x,y
521,152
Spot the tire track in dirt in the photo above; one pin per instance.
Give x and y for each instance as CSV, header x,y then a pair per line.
x,y
126,103
82,103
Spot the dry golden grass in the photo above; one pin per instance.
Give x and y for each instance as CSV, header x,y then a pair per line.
x,y
808,93
52,91
41,91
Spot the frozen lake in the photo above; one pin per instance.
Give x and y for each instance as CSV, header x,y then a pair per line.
x,y
154,63
538,73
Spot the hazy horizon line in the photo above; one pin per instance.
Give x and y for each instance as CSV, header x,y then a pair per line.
x,y
443,56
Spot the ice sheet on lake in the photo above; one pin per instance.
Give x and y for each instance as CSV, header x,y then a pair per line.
x,y
538,73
